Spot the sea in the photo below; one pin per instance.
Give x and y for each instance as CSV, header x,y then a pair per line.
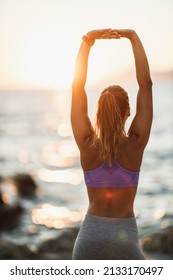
x,y
36,138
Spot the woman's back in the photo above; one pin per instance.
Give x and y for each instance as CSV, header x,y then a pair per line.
x,y
112,190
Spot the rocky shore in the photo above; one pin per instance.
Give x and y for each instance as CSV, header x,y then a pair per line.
x,y
156,246
59,248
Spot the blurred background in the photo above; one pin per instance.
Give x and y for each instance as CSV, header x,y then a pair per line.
x,y
42,188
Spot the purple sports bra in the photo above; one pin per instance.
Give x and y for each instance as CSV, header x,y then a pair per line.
x,y
112,177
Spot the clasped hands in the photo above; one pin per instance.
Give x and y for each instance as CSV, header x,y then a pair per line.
x,y
110,33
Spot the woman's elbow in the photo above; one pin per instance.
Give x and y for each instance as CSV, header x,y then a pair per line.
x,y
149,82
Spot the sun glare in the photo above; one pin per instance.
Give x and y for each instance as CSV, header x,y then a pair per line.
x,y
40,51
39,63
49,66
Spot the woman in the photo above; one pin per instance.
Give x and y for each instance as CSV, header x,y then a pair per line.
x,y
110,158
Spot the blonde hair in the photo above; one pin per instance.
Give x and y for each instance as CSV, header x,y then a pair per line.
x,y
112,111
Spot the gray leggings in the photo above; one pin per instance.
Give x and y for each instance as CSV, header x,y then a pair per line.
x,y
102,238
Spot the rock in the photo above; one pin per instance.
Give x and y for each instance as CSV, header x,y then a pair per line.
x,y
1,200
167,240
9,216
25,185
11,251
60,247
159,242
152,243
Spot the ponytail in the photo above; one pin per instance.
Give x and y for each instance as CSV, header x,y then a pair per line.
x,y
113,106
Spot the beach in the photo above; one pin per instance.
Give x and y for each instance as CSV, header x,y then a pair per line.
x,y
37,148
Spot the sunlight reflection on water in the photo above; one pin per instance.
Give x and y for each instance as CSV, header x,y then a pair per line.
x,y
64,130
55,217
62,154
68,176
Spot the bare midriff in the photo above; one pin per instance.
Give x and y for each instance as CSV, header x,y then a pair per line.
x,y
111,202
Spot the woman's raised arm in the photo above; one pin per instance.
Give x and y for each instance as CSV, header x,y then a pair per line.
x,y
81,124
141,124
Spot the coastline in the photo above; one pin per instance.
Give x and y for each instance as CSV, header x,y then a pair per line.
x,y
158,246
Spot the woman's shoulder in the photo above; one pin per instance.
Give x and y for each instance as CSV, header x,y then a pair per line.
x,y
90,158
130,157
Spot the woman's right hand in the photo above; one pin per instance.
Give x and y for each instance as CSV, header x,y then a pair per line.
x,y
124,33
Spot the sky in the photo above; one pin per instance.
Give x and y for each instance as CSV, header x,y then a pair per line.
x,y
39,39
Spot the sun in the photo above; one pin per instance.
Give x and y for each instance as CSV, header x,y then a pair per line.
x,y
41,63
49,66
